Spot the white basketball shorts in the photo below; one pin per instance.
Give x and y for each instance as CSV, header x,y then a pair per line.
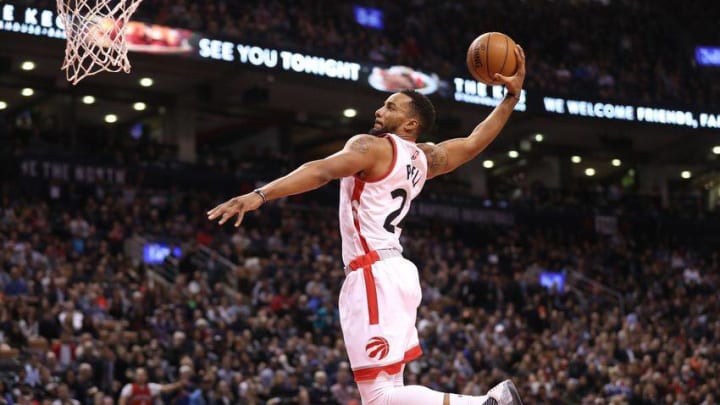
x,y
378,309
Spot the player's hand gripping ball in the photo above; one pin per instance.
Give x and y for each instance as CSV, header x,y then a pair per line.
x,y
489,54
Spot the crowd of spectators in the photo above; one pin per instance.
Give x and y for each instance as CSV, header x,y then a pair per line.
x,y
81,318
615,49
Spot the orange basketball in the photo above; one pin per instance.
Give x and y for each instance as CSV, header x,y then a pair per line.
x,y
491,53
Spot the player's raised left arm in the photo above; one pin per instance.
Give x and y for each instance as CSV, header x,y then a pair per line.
x,y
448,155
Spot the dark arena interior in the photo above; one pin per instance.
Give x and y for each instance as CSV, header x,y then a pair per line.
x,y
578,255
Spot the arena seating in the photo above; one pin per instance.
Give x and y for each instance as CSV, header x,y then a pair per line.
x,y
79,313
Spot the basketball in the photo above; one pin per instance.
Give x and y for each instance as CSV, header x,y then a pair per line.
x,y
491,53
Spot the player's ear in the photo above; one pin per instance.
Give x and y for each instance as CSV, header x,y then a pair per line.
x,y
411,125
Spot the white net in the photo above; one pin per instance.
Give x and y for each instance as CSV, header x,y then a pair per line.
x,y
95,31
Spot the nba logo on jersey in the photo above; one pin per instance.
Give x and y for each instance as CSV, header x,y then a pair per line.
x,y
377,348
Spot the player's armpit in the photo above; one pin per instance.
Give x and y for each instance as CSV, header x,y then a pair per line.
x,y
436,158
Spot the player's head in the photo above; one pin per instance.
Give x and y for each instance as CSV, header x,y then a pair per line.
x,y
405,113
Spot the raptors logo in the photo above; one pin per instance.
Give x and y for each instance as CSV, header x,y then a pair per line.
x,y
377,348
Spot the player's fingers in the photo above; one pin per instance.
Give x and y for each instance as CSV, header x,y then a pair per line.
x,y
521,59
226,215
500,78
241,214
213,213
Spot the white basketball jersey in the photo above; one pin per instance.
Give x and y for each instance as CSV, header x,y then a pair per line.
x,y
371,210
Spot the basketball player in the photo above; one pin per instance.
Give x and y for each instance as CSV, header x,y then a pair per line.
x,y
381,173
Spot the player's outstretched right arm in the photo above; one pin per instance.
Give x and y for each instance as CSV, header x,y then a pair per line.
x,y
358,155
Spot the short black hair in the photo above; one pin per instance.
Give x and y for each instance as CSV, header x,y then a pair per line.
x,y
423,108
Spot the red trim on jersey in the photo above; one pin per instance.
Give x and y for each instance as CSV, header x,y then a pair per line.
x,y
368,258
371,373
392,165
357,191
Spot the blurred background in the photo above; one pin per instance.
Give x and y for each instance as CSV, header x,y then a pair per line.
x,y
577,255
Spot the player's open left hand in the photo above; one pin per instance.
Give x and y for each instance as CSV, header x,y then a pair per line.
x,y
235,206
514,83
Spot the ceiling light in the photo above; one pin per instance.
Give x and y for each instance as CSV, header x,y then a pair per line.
x,y
716,150
576,159
146,82
3,105
686,174
349,112
488,164
616,162
27,92
27,65
513,154
88,100
139,106
589,172
539,137
111,118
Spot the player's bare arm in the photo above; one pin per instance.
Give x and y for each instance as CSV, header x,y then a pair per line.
x,y
449,155
363,155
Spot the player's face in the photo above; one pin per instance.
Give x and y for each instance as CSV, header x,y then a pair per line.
x,y
393,116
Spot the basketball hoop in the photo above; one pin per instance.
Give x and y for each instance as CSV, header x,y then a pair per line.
x,y
95,31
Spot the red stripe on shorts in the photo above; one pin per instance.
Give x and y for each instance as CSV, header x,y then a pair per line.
x,y
365,263
371,292
371,373
413,354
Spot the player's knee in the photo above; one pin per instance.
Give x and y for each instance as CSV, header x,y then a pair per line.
x,y
387,394
378,392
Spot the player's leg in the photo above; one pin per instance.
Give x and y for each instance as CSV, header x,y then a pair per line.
x,y
385,391
404,294
399,378
379,350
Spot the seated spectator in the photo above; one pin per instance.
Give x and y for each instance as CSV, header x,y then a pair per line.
x,y
142,391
